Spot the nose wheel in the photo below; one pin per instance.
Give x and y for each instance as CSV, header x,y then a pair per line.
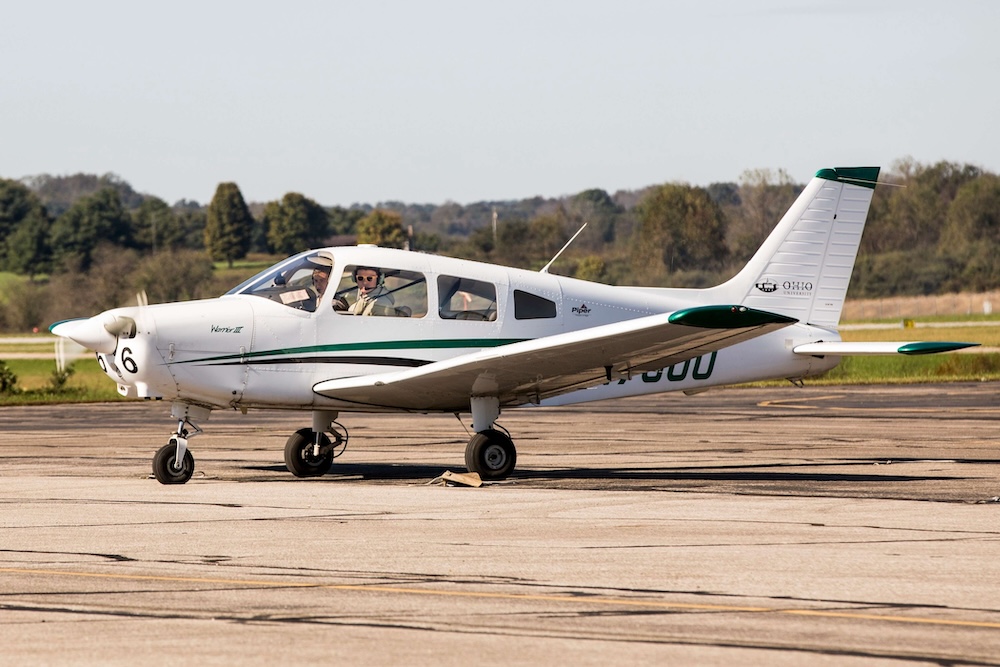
x,y
166,468
173,463
491,453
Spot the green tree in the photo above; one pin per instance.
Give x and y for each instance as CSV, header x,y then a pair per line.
x,y
8,380
59,193
190,229
680,228
228,225
28,249
598,210
971,236
383,228
174,275
344,221
152,223
24,230
295,223
764,196
912,215
91,221
591,267
26,304
549,234
107,284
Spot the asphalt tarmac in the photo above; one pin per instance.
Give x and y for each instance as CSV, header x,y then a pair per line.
x,y
742,526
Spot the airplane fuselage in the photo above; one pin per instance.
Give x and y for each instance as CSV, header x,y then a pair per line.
x,y
253,348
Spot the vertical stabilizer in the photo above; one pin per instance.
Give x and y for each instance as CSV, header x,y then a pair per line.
x,y
803,268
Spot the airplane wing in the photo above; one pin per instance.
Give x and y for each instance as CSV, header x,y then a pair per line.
x,y
838,348
529,371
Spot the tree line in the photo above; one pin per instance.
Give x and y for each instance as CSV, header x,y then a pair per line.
x,y
87,242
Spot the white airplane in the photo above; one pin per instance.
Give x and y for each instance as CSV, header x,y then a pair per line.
x,y
413,332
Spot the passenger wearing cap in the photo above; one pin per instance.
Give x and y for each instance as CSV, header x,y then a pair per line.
x,y
322,266
373,297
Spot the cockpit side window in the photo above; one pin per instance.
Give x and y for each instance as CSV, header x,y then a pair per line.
x,y
528,306
298,283
379,290
466,299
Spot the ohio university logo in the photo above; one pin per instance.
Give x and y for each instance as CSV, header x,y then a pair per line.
x,y
792,287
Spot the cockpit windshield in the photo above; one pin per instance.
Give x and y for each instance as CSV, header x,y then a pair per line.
x,y
298,282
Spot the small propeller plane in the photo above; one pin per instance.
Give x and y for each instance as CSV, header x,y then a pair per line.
x,y
370,329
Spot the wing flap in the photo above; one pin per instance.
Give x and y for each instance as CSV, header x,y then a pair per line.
x,y
529,371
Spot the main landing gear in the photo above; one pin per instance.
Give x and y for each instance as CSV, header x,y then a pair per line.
x,y
309,452
490,451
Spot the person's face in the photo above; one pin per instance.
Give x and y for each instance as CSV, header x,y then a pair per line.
x,y
367,280
320,280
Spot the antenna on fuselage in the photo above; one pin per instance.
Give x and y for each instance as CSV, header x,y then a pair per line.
x,y
545,269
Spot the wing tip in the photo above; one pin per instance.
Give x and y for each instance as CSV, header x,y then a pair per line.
x,y
727,317
933,347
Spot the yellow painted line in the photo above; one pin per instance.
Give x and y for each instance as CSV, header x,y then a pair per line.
x,y
796,403
895,619
592,600
802,404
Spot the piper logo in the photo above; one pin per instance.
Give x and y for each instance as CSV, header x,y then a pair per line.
x,y
581,309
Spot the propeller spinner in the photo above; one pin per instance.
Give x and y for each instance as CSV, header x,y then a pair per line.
x,y
99,333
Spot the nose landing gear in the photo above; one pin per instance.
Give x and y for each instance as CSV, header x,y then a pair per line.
x,y
173,463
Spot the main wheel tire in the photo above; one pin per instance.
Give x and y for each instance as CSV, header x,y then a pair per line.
x,y
491,453
163,465
300,456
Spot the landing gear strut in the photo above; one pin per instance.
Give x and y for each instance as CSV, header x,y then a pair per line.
x,y
165,467
173,463
490,451
309,452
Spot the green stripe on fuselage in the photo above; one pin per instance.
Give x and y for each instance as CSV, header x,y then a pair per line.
x,y
447,343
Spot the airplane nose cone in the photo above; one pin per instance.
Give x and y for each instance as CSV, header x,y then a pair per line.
x,y
92,333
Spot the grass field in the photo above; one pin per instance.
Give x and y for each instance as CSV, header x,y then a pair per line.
x,y
89,384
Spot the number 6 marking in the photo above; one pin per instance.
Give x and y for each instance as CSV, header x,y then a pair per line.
x,y
128,362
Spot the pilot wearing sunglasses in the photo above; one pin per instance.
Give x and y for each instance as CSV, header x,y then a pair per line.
x,y
373,298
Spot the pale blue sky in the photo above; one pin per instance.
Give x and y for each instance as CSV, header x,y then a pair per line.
x,y
465,101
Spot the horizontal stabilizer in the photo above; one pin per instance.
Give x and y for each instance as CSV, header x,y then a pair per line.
x,y
838,348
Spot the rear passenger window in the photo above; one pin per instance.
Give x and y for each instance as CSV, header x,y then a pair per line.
x,y
529,306
466,299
